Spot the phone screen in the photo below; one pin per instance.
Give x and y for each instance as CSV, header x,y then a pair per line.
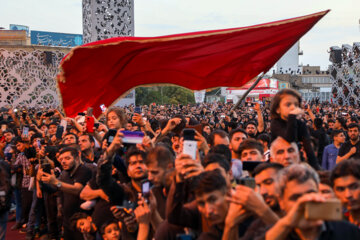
x,y
25,131
112,133
103,108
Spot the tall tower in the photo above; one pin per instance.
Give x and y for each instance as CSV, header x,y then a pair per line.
x,y
104,19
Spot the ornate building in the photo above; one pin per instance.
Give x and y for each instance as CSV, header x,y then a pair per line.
x,y
345,74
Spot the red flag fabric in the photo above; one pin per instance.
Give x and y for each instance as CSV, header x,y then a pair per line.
x,y
101,72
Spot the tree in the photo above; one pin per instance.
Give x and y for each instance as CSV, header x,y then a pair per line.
x,y
163,95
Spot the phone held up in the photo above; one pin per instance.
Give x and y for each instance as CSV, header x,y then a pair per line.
x,y
189,145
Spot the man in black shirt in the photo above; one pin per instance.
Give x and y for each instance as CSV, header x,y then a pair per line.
x,y
351,148
70,183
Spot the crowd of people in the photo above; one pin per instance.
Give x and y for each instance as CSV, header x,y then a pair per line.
x,y
202,171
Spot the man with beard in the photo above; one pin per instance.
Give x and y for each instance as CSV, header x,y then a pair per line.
x,y
70,183
87,144
297,185
345,179
237,136
265,179
253,129
351,148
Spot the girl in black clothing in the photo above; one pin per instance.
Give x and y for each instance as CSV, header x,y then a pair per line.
x,y
285,122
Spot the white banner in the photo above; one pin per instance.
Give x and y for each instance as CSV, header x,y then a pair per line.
x,y
199,96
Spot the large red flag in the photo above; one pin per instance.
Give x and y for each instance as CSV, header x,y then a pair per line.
x,y
101,72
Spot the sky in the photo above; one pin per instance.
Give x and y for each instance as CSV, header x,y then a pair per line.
x,y
163,17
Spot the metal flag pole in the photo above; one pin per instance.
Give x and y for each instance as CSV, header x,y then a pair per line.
x,y
248,91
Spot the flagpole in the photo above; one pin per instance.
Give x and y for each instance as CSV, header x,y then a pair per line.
x,y
248,91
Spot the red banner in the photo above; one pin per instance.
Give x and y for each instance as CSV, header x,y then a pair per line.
x,y
101,72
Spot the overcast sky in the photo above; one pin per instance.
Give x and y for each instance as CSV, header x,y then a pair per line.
x,y
162,17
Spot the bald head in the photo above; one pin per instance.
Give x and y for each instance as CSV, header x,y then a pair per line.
x,y
283,152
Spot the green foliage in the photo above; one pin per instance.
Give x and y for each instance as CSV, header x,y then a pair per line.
x,y
163,95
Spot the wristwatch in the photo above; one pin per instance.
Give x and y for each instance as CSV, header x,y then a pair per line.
x,y
58,185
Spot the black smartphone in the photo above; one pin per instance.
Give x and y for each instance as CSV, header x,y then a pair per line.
x,y
81,114
189,134
112,133
96,125
250,165
247,181
137,110
59,132
145,189
124,210
46,167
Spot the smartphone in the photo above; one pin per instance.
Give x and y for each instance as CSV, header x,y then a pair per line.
x,y
145,189
250,165
25,131
81,114
184,236
103,108
137,110
96,125
63,123
112,133
133,137
38,143
15,110
89,124
46,167
59,132
330,210
3,127
89,111
247,181
189,145
124,210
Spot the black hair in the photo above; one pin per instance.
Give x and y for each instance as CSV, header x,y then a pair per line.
x,y
218,132
223,150
335,132
208,182
133,151
73,151
275,103
75,217
107,223
251,144
324,177
342,121
161,155
231,134
349,167
265,138
318,123
266,165
353,125
217,158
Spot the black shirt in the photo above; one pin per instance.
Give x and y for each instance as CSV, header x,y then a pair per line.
x,y
345,148
70,202
334,230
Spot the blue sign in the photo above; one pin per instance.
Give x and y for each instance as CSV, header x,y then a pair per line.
x,y
56,39
20,27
